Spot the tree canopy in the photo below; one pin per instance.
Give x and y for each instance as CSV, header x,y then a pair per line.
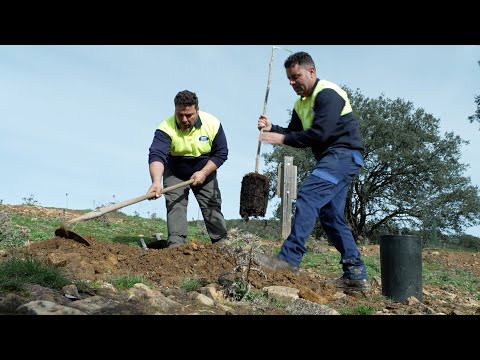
x,y
476,116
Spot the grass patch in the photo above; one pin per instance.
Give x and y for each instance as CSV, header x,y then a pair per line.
x,y
265,229
260,298
326,262
15,273
357,310
41,228
127,282
198,232
451,279
11,235
117,227
255,295
192,284
372,263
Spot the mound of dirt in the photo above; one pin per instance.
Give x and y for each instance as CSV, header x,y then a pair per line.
x,y
219,264
164,267
169,268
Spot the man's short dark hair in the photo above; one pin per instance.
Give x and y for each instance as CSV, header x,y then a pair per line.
x,y
300,58
186,98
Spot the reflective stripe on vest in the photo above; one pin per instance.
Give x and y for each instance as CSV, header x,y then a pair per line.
x,y
304,105
194,143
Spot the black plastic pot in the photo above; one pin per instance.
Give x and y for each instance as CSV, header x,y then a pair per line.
x,y
401,266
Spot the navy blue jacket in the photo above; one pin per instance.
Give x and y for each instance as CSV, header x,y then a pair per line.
x,y
184,166
329,129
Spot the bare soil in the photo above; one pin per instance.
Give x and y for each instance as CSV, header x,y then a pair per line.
x,y
168,269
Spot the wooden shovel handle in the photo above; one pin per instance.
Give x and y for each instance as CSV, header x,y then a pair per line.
x,y
257,159
102,211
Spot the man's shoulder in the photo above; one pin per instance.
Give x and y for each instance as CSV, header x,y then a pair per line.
x,y
206,114
328,91
167,123
326,82
208,118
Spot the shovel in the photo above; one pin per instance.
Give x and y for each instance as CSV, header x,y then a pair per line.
x,y
63,232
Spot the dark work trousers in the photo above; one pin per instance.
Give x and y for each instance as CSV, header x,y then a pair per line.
x,y
323,195
209,199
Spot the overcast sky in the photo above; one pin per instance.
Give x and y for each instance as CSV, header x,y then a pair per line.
x,y
76,121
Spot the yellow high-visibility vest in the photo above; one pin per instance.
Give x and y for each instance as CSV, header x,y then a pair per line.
x,y
304,105
194,143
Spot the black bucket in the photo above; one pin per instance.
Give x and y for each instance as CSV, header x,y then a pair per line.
x,y
401,266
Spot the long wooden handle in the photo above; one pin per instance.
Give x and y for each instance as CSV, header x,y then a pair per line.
x,y
257,160
96,213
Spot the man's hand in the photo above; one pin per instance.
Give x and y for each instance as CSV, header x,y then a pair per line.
x,y
198,178
264,123
271,138
156,188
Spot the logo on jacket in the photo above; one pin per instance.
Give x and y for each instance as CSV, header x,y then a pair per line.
x,y
203,138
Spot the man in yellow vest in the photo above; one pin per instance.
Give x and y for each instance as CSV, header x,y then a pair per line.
x,y
322,120
190,144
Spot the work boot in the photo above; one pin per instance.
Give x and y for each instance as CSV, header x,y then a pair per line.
x,y
274,263
352,285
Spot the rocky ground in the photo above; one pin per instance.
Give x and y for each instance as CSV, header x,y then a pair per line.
x,y
228,281
218,268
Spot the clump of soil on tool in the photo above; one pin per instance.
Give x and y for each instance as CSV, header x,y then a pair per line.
x,y
254,195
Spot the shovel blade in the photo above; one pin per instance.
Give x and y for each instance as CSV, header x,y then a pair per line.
x,y
67,234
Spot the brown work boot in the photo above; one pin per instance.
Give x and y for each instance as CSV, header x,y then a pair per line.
x,y
352,285
274,263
